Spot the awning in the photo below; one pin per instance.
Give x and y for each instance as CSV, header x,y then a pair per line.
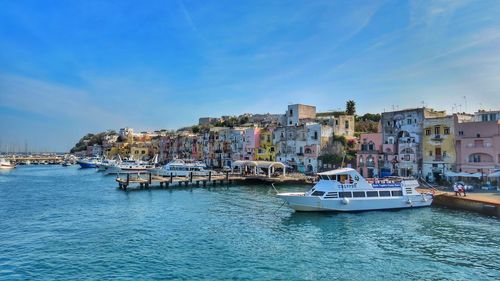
x,y
494,175
463,174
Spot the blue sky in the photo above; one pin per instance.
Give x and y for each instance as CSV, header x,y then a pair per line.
x,y
72,67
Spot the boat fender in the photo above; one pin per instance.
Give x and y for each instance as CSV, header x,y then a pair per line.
x,y
345,201
408,201
424,198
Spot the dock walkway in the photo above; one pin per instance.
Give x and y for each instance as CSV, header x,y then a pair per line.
x,y
485,203
149,180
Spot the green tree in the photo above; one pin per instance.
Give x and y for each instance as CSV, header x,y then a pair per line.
x,y
350,107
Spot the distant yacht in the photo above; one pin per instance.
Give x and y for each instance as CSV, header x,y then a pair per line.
x,y
182,168
6,164
105,164
345,190
131,166
88,162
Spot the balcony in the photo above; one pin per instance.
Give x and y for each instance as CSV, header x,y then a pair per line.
x,y
437,138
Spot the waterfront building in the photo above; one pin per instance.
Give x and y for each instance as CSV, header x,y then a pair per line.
x,y
439,155
251,143
402,135
300,146
266,150
478,146
370,155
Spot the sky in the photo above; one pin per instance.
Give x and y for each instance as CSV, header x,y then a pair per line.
x,y
72,67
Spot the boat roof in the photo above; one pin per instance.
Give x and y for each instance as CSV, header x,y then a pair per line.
x,y
341,171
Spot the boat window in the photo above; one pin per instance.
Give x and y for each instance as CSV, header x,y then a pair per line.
x,y
384,193
318,193
346,194
372,194
397,193
357,194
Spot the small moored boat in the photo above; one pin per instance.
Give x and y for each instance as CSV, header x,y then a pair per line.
x,y
182,168
6,164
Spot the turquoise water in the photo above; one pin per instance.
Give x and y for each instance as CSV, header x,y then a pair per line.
x,y
62,223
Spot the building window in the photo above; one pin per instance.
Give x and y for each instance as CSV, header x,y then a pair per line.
x,y
291,112
460,133
475,158
446,130
427,132
408,121
336,122
430,152
370,146
437,130
315,135
347,125
478,135
407,157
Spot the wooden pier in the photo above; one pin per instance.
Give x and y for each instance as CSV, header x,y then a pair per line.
x,y
150,180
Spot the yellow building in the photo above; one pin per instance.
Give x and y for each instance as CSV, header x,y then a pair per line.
x,y
266,150
438,147
139,152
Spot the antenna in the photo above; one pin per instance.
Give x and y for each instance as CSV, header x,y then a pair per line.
x,y
465,102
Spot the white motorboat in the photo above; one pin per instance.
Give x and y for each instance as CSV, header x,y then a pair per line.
x,y
105,164
131,166
88,162
6,164
345,190
182,168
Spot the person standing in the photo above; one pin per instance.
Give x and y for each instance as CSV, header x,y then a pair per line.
x,y
455,188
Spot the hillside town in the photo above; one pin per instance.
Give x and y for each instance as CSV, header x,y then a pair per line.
x,y
419,142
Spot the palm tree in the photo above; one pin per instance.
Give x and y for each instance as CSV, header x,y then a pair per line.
x,y
350,107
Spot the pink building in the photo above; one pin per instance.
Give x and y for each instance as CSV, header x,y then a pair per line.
x,y
368,155
478,146
251,143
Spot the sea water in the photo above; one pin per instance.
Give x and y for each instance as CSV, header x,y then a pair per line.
x,y
60,223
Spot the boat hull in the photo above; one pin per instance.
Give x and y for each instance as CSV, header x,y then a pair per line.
x,y
303,203
122,170
86,165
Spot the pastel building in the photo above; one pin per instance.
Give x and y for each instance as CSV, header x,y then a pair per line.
x,y
402,135
439,155
251,143
266,150
478,146
370,155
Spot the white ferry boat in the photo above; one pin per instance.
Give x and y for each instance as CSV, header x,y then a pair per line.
x,y
345,190
182,168
6,164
